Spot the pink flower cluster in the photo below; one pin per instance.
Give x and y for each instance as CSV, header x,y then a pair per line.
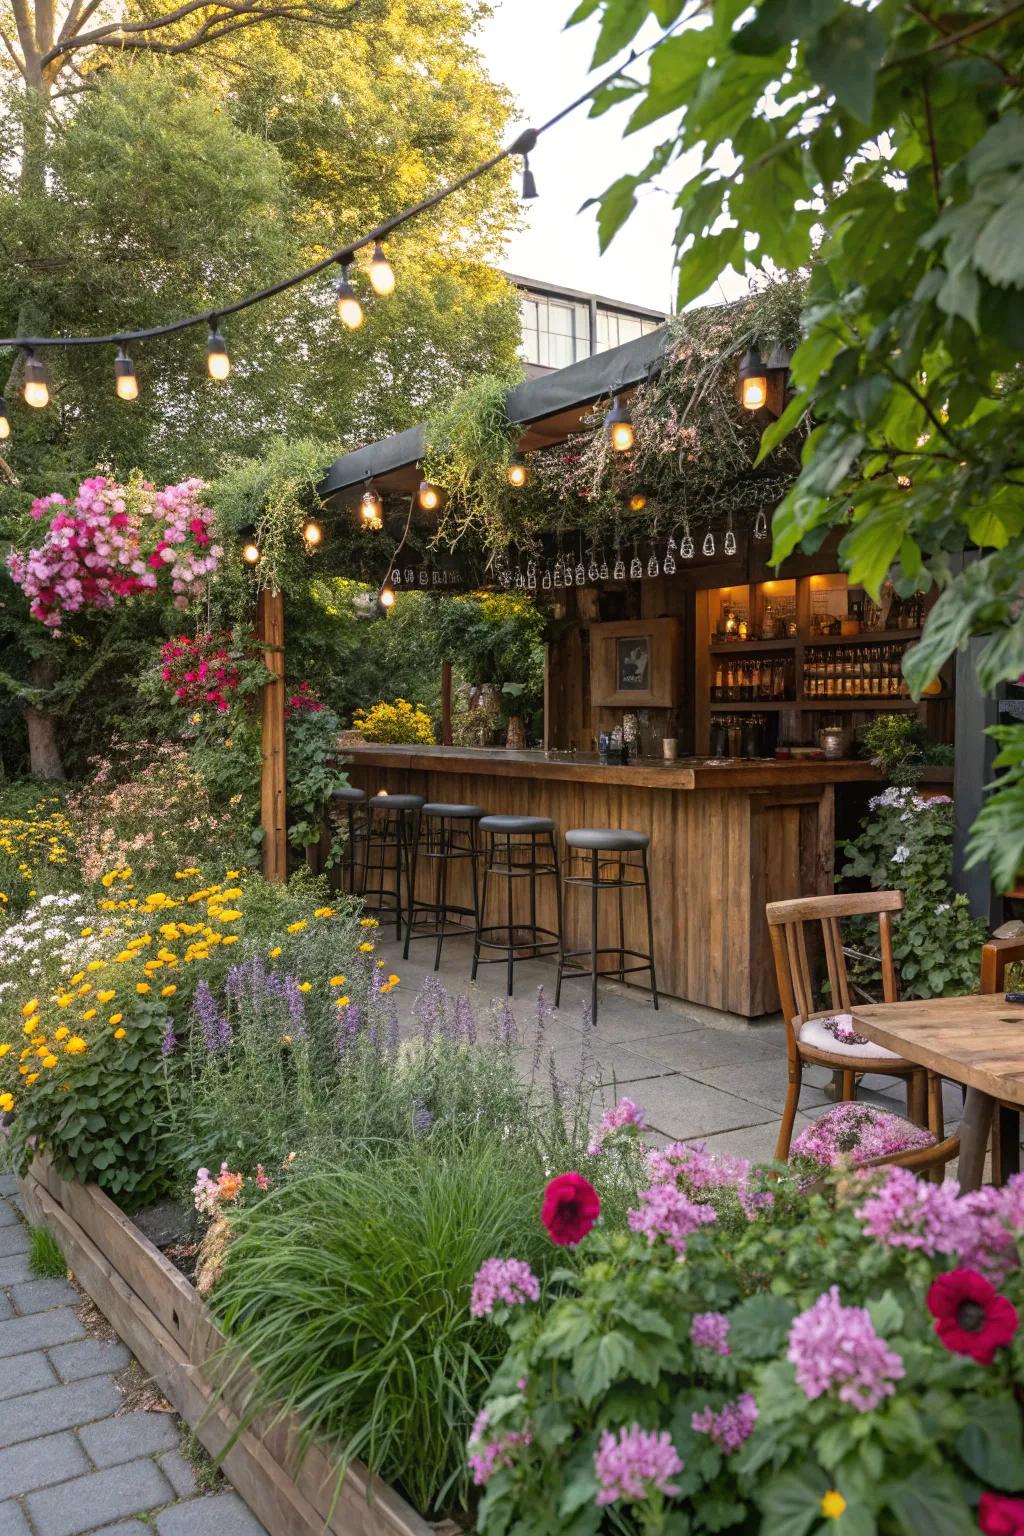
x,y
710,1330
101,546
201,670
634,1464
703,1173
625,1113
305,699
502,1281
730,1426
858,1133
835,1346
979,1229
666,1212
209,1194
486,1456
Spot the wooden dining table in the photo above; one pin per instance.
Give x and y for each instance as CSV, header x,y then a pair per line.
x,y
977,1041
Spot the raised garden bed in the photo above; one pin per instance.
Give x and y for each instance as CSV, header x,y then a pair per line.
x,y
170,1330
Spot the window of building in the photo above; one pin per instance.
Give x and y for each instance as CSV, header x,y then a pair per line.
x,y
555,333
614,329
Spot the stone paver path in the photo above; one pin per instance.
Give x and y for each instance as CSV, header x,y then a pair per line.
x,y
70,1461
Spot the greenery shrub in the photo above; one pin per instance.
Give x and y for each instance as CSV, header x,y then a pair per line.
x,y
37,846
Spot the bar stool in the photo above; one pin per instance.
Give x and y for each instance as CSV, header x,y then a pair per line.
x,y
392,828
447,836
518,848
626,869
350,802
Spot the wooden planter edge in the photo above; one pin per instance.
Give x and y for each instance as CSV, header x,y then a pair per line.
x,y
172,1333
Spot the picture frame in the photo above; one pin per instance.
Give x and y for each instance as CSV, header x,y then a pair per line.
x,y
635,664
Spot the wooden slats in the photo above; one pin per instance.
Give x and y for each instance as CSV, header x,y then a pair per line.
x,y
977,1040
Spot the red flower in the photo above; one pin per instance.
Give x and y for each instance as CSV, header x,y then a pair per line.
x,y
971,1318
1000,1516
571,1206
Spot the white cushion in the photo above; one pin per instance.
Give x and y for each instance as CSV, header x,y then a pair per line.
x,y
814,1034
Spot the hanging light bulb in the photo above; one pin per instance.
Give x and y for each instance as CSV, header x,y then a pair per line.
x,y
637,501
517,472
709,543
531,575
387,598
636,570
619,573
652,565
669,563
753,381
36,390
619,426
382,278
602,574
529,185
312,533
217,361
428,496
760,526
125,382
350,311
5,425
730,540
249,548
371,510
686,549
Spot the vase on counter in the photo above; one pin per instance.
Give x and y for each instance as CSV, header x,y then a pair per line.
x,y
515,733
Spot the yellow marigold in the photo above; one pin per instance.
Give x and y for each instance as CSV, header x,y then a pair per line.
x,y
233,874
124,957
337,981
168,991
32,1077
394,980
30,1025
230,916
76,978
142,987
368,922
833,1504
32,1006
367,948
95,965
106,996
75,1046
115,1018
49,1061
324,912
90,1013
62,1033
119,1034
341,1002
230,938
275,952
6,1102
305,986
231,895
65,1000
296,927
4,1048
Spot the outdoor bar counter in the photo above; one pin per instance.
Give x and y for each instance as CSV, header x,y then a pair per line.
x,y
726,837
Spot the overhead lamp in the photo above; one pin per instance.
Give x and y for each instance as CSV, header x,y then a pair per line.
x,y
429,496
386,598
371,509
638,501
250,550
529,184
350,311
517,473
753,381
312,533
125,382
217,360
619,426
5,425
382,278
36,390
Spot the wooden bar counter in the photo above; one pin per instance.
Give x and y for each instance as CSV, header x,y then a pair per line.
x,y
726,837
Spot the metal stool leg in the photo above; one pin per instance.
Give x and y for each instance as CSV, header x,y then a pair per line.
x,y
442,894
650,930
511,914
594,887
482,912
622,920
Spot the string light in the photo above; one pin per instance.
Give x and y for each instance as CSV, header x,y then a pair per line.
x,y
371,510
387,598
312,533
753,381
125,382
760,526
428,496
517,472
709,543
5,425
382,278
730,538
36,389
350,311
637,501
217,361
619,426
250,548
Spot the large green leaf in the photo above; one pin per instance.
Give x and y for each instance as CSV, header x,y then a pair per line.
x,y
791,1502
844,58
930,1502
872,545
991,1442
759,1326
779,22
999,252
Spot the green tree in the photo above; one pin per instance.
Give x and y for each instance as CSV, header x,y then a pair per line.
x,y
882,146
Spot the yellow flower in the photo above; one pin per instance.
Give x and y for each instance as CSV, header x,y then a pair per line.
x,y
324,912
90,1013
168,991
142,987
230,916
79,976
230,938
275,952
368,922
367,949
832,1504
231,895
32,1077
4,1049
341,1002
296,927
393,981
86,933
106,996
6,1102
305,986
49,1061
75,1046
124,957
232,874
119,1034
95,965
65,1000
337,981
195,719
62,1033
286,1039
115,1018
30,1007
228,741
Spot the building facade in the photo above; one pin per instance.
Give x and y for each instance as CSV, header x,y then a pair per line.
x,y
563,325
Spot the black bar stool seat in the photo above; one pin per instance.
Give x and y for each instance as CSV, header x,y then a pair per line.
x,y
518,848
447,835
348,801
392,831
608,859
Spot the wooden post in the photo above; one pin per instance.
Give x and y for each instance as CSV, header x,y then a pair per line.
x,y
273,781
547,696
446,703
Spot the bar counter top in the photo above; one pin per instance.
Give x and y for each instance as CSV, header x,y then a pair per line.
x,y
686,773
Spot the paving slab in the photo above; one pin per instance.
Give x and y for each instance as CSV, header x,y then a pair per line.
x,y
685,1110
39,1331
129,1436
88,1357
43,1295
12,1521
178,1472
25,1373
13,1238
222,1515
99,1498
14,1269
8,1214
40,1413
35,1463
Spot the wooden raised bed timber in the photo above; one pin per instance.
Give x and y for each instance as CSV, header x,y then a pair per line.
x,y
172,1333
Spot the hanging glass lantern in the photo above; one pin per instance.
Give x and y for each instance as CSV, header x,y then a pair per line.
x,y
652,565
619,572
546,580
760,526
669,563
581,572
709,543
686,543
593,574
730,539
602,574
636,570
531,575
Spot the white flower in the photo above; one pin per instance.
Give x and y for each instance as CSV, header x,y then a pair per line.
x,y
901,855
943,906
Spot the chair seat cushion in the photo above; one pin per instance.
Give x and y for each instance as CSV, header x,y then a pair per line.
x,y
817,1034
456,812
397,802
607,839
517,824
349,793
858,1133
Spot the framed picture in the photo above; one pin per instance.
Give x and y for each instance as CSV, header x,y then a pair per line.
x,y
635,664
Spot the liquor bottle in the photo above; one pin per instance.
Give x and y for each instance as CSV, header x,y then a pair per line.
x,y
730,680
718,686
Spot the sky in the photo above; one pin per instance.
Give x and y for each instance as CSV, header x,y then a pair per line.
x,y
525,47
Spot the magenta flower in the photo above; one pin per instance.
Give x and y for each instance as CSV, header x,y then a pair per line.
x,y
634,1464
666,1212
857,1133
502,1281
487,1455
710,1330
730,1426
625,1113
835,1346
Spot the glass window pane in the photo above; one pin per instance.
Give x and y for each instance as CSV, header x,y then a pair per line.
x,y
629,329
560,319
604,330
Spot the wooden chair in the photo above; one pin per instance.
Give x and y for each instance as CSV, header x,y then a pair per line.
x,y
996,955
810,1044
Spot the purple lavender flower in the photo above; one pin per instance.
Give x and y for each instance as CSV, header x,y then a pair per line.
x,y
169,1043
295,1000
730,1426
431,1008
216,1029
542,1015
666,1212
348,1029
710,1330
980,1229
634,1464
422,1120
465,1020
506,1029
835,1346
508,1282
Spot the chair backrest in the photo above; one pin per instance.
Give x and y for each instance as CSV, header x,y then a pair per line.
x,y
996,955
788,922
